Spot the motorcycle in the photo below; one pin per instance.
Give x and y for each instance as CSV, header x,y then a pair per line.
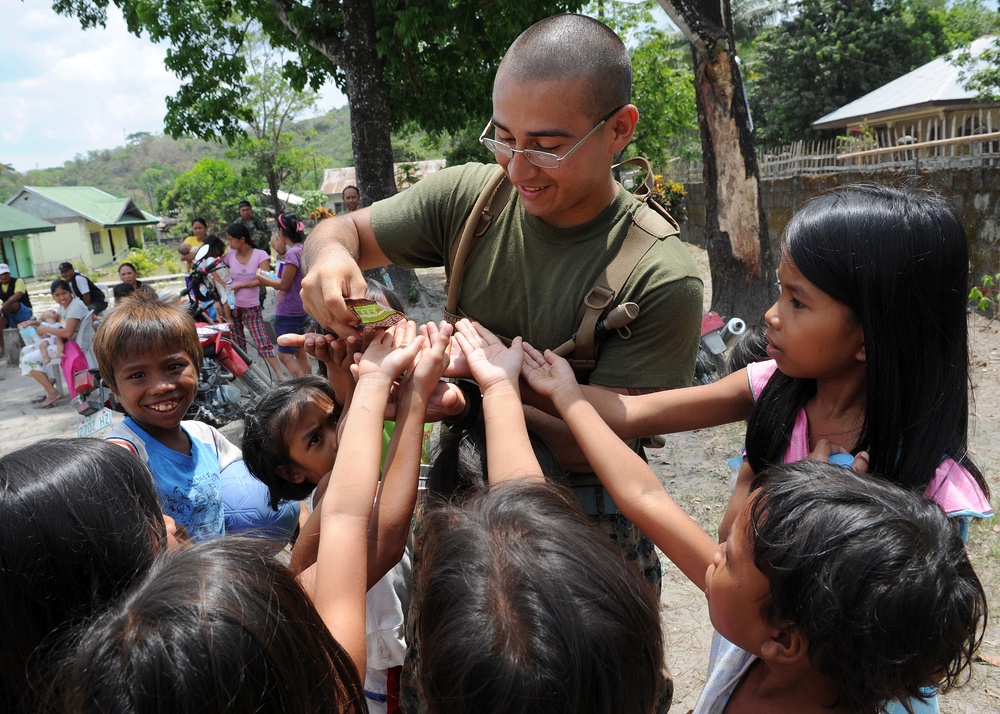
x,y
717,335
229,375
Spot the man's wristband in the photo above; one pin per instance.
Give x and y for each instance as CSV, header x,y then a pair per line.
x,y
473,404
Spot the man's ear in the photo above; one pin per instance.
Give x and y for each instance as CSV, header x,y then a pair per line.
x,y
624,125
289,474
785,646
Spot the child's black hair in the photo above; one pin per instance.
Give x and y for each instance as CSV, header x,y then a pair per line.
x,y
216,246
80,522
750,347
381,294
219,626
526,607
265,446
458,467
874,576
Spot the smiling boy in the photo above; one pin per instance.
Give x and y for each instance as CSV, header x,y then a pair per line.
x,y
149,355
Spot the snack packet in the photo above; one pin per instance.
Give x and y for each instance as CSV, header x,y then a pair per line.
x,y
372,314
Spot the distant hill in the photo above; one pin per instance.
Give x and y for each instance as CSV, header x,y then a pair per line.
x,y
149,163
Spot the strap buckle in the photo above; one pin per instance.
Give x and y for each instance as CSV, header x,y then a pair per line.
x,y
599,297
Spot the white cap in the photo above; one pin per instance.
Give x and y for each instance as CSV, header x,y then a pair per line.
x,y
4,268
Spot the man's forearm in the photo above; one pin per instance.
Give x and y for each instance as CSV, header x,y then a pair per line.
x,y
331,234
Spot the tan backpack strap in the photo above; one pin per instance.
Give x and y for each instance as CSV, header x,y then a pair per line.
x,y
649,224
495,193
608,285
646,188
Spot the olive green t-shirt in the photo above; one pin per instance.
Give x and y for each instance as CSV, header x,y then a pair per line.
x,y
528,278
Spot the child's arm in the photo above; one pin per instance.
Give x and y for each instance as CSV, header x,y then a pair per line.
x,y
632,484
666,412
284,282
397,497
342,562
307,541
497,369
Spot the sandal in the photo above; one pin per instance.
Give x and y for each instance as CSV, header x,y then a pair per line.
x,y
49,402
39,400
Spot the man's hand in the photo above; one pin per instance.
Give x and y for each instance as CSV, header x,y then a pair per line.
x,y
332,275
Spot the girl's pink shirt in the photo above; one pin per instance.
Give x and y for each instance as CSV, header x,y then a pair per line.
x,y
242,273
953,487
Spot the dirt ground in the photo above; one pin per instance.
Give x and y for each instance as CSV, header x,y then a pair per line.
x,y
693,469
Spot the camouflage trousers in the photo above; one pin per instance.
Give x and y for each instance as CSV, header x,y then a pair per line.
x,y
640,552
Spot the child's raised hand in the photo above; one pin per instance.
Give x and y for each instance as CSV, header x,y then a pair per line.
x,y
434,357
390,353
548,374
490,361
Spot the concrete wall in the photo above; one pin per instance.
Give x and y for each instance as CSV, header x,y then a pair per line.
x,y
974,191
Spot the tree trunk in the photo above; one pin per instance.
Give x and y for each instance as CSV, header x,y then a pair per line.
x,y
739,250
365,90
272,186
370,137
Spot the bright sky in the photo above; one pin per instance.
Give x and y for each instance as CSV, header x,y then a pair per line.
x,y
65,92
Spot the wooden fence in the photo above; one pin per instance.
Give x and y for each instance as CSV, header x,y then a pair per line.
x,y
826,157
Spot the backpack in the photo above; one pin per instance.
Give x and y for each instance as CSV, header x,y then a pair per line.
x,y
650,223
97,296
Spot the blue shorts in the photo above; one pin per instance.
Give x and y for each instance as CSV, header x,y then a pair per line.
x,y
290,325
23,313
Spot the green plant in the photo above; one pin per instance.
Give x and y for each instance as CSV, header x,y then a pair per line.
x,y
984,296
671,195
152,259
311,202
859,138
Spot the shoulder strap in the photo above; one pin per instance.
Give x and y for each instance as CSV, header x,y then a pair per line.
x,y
650,223
495,193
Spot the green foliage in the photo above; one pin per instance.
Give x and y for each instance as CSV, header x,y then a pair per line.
x,y
434,72
311,201
857,139
965,20
210,190
663,90
465,147
441,55
406,175
831,52
983,297
671,195
153,260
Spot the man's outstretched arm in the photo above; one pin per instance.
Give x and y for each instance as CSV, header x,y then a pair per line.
x,y
334,255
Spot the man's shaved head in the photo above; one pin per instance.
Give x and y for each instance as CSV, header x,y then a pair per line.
x,y
567,47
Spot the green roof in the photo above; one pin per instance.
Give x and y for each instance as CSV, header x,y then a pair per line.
x,y
18,223
92,203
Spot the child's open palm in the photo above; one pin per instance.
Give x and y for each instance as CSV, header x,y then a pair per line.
x,y
391,353
490,361
433,359
548,374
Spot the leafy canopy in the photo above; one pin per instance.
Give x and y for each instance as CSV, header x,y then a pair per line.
x,y
438,57
831,52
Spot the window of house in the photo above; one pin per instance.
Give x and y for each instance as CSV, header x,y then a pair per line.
x,y
95,242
